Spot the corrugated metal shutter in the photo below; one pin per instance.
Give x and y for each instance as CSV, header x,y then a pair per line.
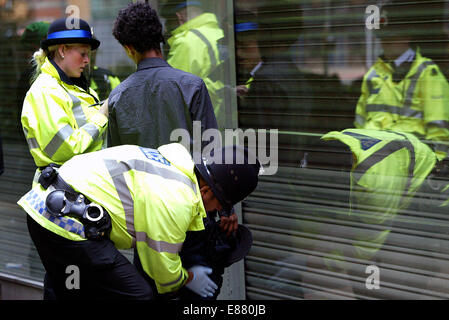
x,y
18,255
299,215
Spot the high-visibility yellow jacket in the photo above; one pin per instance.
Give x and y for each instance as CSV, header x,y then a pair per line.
x,y
58,121
152,197
194,49
418,104
388,169
102,81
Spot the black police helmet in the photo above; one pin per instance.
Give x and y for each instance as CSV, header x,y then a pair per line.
x,y
234,178
60,33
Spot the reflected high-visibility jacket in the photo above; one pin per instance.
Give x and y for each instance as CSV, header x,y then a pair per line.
x,y
58,121
194,49
417,104
103,81
388,169
152,197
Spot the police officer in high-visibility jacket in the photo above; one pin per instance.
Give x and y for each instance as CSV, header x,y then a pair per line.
x,y
61,115
101,80
403,90
128,196
386,170
194,47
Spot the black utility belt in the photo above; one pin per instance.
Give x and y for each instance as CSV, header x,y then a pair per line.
x,y
65,201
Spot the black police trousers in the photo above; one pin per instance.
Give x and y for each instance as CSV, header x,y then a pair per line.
x,y
91,269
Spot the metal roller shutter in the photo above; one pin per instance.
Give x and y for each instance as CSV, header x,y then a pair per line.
x,y
300,215
296,226
18,256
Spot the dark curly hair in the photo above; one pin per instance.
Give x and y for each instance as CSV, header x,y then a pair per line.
x,y
138,25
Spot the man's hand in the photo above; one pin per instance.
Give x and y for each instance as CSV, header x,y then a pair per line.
x,y
229,224
241,90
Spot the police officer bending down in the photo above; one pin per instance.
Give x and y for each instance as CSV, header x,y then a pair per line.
x,y
124,197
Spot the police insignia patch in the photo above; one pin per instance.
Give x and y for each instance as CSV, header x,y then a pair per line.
x,y
365,141
154,155
368,143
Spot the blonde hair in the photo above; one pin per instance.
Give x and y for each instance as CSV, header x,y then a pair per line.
x,y
38,60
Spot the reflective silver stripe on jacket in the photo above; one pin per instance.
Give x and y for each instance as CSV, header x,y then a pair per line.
x,y
58,140
117,170
172,282
440,146
210,49
159,246
440,124
32,142
92,130
81,119
380,155
369,82
411,113
406,110
360,119
413,82
65,132
383,153
77,110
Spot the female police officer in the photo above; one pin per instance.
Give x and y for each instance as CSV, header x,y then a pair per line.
x,y
58,118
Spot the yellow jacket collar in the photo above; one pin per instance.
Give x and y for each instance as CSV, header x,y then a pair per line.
x,y
49,68
418,60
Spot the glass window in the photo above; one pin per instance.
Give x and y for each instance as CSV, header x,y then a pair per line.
x,y
348,216
344,101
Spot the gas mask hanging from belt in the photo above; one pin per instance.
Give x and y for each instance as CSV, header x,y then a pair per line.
x,y
64,201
